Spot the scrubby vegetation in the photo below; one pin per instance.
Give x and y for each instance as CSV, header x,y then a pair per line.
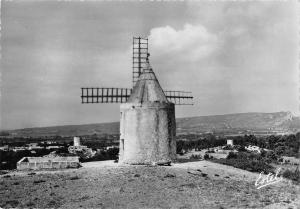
x,y
293,175
273,149
110,154
258,163
287,145
247,161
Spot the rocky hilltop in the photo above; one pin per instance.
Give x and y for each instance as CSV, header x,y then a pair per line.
x,y
105,184
230,123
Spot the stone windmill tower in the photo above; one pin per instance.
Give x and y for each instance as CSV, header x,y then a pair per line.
x,y
147,124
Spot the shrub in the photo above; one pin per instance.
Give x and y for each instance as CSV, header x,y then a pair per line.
x,y
195,157
12,203
111,154
39,181
74,178
170,176
30,204
293,175
231,155
31,174
3,172
271,156
228,147
240,148
206,156
246,161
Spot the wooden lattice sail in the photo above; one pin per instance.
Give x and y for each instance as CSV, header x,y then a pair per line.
x,y
140,60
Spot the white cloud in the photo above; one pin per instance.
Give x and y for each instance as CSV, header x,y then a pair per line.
x,y
191,43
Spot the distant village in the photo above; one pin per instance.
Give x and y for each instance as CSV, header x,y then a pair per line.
x,y
57,152
47,152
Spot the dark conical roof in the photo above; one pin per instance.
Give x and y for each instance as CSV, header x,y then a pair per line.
x,y
147,88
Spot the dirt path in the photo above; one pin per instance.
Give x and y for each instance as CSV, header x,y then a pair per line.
x,y
105,184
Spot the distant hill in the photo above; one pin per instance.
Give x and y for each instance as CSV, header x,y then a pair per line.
x,y
69,130
230,124
241,122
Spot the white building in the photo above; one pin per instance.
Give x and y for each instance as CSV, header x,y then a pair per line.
x,y
229,142
253,148
76,141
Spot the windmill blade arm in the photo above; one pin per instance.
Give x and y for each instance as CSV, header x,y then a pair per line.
x,y
139,57
180,97
104,95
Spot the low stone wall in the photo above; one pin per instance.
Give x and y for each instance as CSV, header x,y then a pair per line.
x,y
48,163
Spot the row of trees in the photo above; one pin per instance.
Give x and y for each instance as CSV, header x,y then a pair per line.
x,y
205,143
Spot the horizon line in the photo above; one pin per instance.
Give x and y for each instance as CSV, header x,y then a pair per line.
x,y
287,111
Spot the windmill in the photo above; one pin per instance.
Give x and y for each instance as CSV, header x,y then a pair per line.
x,y
147,123
140,56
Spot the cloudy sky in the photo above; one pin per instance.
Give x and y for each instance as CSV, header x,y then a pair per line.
x,y
234,56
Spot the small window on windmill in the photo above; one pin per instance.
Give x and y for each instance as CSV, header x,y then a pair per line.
x,y
122,144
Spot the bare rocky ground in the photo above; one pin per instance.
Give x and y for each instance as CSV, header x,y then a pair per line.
x,y
105,184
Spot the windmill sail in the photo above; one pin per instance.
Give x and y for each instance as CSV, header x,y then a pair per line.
x,y
180,97
140,62
105,95
139,57
121,95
